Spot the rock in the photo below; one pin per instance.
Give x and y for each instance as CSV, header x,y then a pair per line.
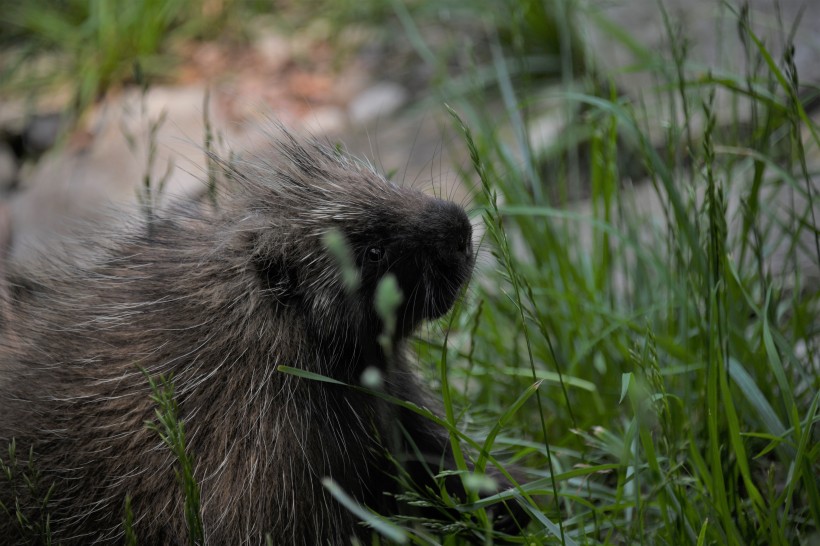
x,y
42,131
8,169
324,120
275,50
379,101
709,31
75,184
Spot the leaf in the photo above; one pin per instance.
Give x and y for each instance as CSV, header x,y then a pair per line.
x,y
626,379
371,519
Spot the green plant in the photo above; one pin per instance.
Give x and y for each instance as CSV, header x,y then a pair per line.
x,y
677,358
24,497
171,430
91,46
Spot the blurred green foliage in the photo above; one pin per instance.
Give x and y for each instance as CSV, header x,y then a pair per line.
x,y
91,46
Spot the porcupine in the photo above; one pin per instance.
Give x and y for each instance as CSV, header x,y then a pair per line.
x,y
218,301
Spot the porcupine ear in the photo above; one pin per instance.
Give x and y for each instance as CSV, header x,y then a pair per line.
x,y
277,279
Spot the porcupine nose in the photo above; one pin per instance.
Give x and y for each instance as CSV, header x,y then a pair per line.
x,y
460,232
450,232
465,243
464,234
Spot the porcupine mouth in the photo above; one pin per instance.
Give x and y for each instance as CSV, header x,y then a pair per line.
x,y
451,254
428,303
442,299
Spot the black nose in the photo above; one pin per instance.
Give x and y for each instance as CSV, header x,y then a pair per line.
x,y
446,224
465,243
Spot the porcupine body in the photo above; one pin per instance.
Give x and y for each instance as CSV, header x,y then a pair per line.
x,y
218,301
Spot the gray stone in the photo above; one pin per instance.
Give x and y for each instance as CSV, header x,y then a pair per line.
x,y
275,50
8,168
709,29
379,101
72,186
42,132
325,120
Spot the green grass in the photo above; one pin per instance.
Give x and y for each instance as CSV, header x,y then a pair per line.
x,y
171,431
92,46
31,508
678,363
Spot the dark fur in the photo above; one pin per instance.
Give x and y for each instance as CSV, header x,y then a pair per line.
x,y
219,301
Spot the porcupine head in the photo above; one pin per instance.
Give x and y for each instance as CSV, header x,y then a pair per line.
x,y
329,229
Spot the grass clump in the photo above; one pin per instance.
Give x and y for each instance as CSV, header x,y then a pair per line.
x,y
25,497
671,324
171,430
92,46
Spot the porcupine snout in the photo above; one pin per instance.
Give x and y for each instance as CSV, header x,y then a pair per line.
x,y
447,233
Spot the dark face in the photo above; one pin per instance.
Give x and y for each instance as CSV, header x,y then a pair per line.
x,y
425,243
431,257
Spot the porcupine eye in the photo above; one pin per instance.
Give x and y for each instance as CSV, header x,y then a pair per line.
x,y
375,254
